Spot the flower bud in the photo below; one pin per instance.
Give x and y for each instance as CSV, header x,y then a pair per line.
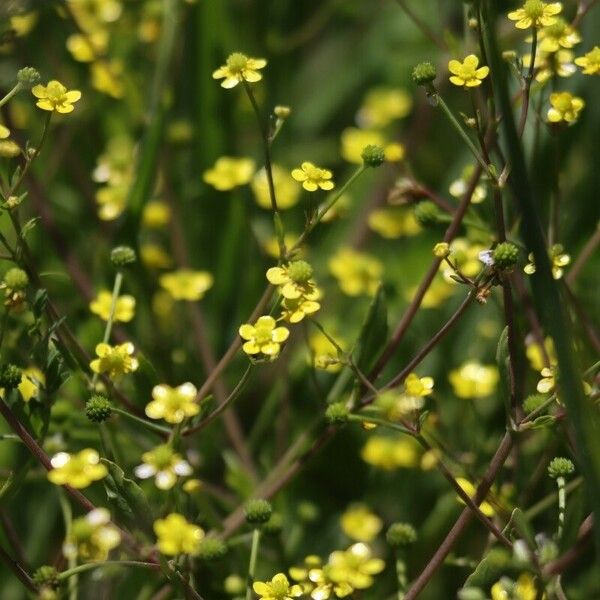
x,y
10,376
505,255
373,156
16,279
46,576
28,77
212,549
98,409
441,250
258,511
401,534
282,112
560,467
336,413
299,271
122,256
424,73
427,213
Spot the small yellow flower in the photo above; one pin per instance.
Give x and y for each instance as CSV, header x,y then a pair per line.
x,y
4,132
313,178
87,47
486,508
557,36
466,256
156,214
565,107
92,537
523,589
590,62
164,465
549,64
360,524
535,13
124,307
466,74
294,310
558,260
77,470
534,353
394,222
155,257
112,201
177,536
114,360
294,280
548,381
304,574
381,106
229,172
355,140
354,566
263,338
389,453
173,404
459,186
324,354
418,386
107,77
287,192
474,380
396,405
55,97
279,588
186,284
31,382
239,67
357,272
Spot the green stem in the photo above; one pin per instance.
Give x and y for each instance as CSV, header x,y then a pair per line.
x,y
12,93
382,422
252,565
401,577
562,505
113,563
149,424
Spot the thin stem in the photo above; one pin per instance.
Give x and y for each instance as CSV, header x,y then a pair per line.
x,y
163,431
401,577
12,93
562,505
107,563
252,564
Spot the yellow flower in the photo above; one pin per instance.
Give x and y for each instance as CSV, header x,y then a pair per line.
x,y
4,132
381,106
557,36
124,307
107,77
77,470
278,588
548,381
394,222
441,250
294,280
389,453
55,97
486,508
535,13
548,64
87,47
324,354
474,380
156,214
286,191
558,260
111,201
229,172
466,74
31,381
114,360
177,536
523,589
357,272
565,107
321,586
360,524
354,141
396,405
263,338
437,293
418,386
186,284
313,178
466,256
354,566
304,573
164,465
459,186
294,310
239,67
590,62
173,404
92,537
535,355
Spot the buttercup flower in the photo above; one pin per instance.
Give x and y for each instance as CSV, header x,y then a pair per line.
x,y
390,453
177,536
382,106
229,172
294,310
77,470
394,222
565,107
418,386
92,537
124,307
590,62
360,524
263,338
173,404
156,214
186,284
523,589
300,573
286,190
557,36
55,97
357,272
396,405
164,465
313,178
294,280
548,381
31,381
558,260
279,588
354,566
474,380
112,201
470,490
114,360
466,74
355,140
239,67
535,13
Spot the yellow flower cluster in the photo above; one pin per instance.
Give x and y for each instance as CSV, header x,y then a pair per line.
x,y
474,380
558,260
92,537
177,536
357,272
524,588
565,107
389,453
230,172
77,470
286,190
124,306
360,524
186,284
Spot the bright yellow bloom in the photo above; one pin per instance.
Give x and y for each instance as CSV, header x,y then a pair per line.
x,y
381,106
186,284
124,307
4,132
355,140
114,360
590,62
294,310
294,280
418,386
239,67
278,588
324,354
229,172
389,453
354,566
23,23
177,536
549,64
156,214
558,260
31,381
107,77
302,573
55,97
92,537
441,250
317,582
470,490
466,74
565,107
360,524
394,222
396,405
173,404
77,470
313,178
164,465
87,47
286,190
535,13
523,589
357,272
263,338
111,201
474,380
557,36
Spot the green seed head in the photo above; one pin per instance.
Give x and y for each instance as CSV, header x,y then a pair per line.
x,y
258,511
299,271
122,255
427,213
10,376
98,409
373,156
16,279
336,414
28,77
505,255
401,534
424,73
560,467
212,549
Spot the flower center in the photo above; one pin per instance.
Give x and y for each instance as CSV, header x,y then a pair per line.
x,y
262,335
534,9
299,271
237,62
162,456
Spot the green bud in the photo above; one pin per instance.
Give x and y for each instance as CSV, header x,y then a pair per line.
x,y
533,402
16,279
560,467
505,255
46,576
122,256
401,534
373,156
212,549
336,414
98,409
10,376
258,511
28,77
427,213
299,271
424,73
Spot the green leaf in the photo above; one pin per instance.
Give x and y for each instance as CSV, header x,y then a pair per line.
x,y
523,527
371,340
489,569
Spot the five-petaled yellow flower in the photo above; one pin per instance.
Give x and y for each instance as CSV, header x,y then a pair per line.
x,y
294,279
92,536
55,97
467,74
177,536
590,62
239,67
264,337
124,306
229,172
173,404
354,566
474,380
535,13
565,107
313,178
418,386
186,284
360,524
114,360
164,465
77,470
278,588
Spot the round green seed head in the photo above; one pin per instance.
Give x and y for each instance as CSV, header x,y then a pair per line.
x,y
122,256
299,271
336,414
533,402
10,376
212,549
45,576
28,77
560,467
98,409
258,511
505,255
401,534
16,279
427,213
424,73
373,156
